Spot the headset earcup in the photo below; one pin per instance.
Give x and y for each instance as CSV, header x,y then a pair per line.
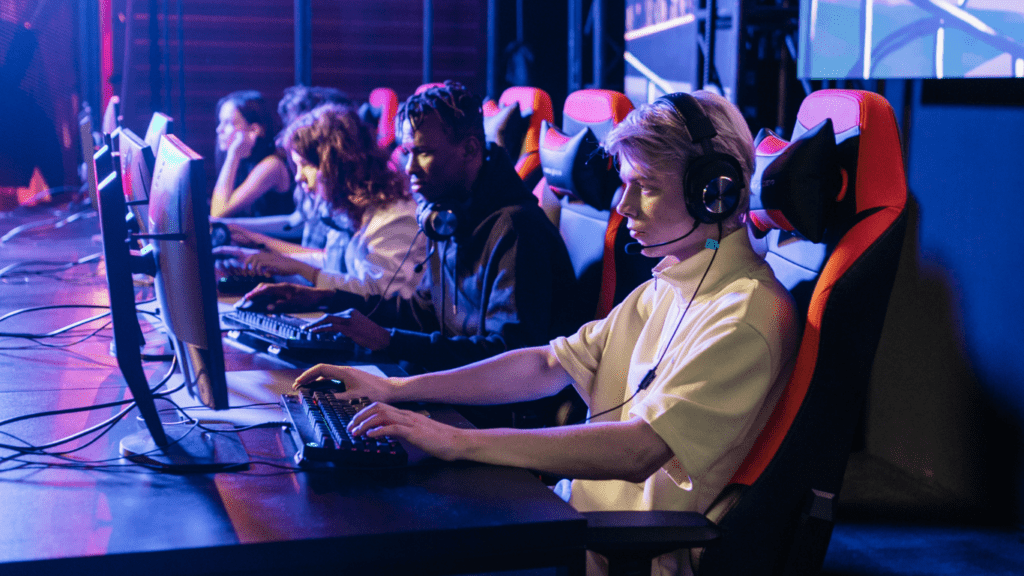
x,y
712,188
438,222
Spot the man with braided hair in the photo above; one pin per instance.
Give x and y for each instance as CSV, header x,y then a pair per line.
x,y
498,276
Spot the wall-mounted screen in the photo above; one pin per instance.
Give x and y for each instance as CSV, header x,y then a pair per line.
x,y
911,39
661,49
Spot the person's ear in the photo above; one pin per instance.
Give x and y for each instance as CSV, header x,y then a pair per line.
x,y
471,147
257,130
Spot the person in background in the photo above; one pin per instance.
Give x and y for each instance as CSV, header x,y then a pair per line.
x,y
498,277
253,179
337,160
304,225
299,99
679,378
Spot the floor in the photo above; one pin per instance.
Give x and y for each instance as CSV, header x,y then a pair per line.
x,y
890,524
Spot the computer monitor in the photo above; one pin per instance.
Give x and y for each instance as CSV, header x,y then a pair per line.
x,y
112,115
185,285
137,163
159,125
179,257
88,150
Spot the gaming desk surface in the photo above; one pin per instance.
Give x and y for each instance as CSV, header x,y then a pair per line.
x,y
111,517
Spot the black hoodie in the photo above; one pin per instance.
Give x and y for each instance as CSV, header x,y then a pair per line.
x,y
506,281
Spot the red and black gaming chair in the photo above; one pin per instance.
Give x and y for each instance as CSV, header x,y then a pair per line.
x,y
513,122
427,86
381,106
840,182
579,191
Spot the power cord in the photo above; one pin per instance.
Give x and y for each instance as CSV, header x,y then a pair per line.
x,y
55,266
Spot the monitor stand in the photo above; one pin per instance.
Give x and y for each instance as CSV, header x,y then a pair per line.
x,y
189,450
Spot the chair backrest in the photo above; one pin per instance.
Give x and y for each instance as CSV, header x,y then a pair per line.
x,y
583,182
793,473
384,104
520,134
427,86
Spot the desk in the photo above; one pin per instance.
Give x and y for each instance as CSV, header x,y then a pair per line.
x,y
429,518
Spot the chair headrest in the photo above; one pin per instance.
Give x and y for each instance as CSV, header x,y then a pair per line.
x,y
576,166
593,108
505,126
380,110
844,162
535,106
427,86
869,144
794,181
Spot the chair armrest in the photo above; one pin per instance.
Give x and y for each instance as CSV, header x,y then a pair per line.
x,y
650,533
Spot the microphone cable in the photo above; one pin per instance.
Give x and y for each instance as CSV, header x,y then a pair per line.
x,y
651,374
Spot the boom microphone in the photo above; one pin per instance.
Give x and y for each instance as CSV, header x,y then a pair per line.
x,y
636,247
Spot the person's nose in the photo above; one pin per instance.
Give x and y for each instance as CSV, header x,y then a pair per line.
x,y
626,205
412,166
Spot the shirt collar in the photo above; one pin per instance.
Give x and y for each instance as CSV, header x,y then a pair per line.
x,y
734,254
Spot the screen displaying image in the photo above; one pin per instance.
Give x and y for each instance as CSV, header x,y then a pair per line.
x,y
661,49
911,39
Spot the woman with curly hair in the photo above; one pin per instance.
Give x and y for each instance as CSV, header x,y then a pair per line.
x,y
252,179
337,159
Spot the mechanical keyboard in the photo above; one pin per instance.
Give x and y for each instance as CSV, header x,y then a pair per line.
x,y
319,421
236,285
288,332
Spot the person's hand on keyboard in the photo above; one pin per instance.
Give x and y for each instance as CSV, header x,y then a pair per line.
x,y
241,237
356,326
283,297
357,383
229,259
378,420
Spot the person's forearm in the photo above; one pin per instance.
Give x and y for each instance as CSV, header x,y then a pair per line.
x,y
280,246
224,186
515,376
629,451
307,271
281,226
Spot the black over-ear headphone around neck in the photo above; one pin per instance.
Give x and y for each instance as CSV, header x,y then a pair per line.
x,y
713,181
439,221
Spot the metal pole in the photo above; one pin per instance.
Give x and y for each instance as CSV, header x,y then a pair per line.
x,y
181,70
709,41
428,41
492,49
155,80
126,61
89,55
575,53
304,42
168,96
597,13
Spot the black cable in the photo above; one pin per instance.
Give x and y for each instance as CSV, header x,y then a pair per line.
x,y
384,293
53,266
56,332
109,423
67,328
51,307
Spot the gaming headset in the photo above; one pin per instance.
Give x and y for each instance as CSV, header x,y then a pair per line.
x,y
713,181
439,220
